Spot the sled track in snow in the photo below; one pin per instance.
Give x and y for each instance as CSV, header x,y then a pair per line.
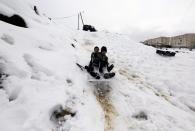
x,y
102,95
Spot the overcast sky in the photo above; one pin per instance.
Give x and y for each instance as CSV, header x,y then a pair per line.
x,y
141,19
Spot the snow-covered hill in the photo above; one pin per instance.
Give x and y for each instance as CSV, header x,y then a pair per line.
x,y
38,74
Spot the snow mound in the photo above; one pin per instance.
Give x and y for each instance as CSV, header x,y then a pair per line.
x,y
27,10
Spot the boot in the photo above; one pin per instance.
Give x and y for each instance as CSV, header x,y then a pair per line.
x,y
109,75
95,75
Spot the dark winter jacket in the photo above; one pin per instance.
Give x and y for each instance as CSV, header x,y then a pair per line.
x,y
104,60
95,59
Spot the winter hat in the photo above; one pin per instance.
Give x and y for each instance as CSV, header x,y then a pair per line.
x,y
103,49
96,47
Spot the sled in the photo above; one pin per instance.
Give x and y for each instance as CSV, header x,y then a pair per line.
x,y
98,80
102,79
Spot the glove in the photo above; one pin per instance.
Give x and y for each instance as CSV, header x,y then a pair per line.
x,y
110,67
86,67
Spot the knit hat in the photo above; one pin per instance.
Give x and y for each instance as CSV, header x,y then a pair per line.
x,y
103,49
96,47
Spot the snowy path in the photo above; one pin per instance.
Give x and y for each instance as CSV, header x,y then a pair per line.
x,y
102,90
133,93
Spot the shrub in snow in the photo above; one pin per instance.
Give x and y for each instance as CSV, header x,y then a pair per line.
x,y
89,28
73,45
14,20
36,10
141,116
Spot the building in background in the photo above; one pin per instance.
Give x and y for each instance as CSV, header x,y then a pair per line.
x,y
181,41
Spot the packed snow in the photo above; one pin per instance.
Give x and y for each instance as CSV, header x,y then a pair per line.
x,y
39,74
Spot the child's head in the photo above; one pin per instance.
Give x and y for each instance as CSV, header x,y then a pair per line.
x,y
96,49
103,50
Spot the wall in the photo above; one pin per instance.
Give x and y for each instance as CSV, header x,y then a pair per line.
x,y
186,41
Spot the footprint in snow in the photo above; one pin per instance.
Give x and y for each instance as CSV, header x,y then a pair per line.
x,y
69,82
8,39
36,68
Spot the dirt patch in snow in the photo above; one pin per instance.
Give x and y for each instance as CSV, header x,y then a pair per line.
x,y
102,95
59,114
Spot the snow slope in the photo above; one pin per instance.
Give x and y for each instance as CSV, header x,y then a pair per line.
x,y
149,92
